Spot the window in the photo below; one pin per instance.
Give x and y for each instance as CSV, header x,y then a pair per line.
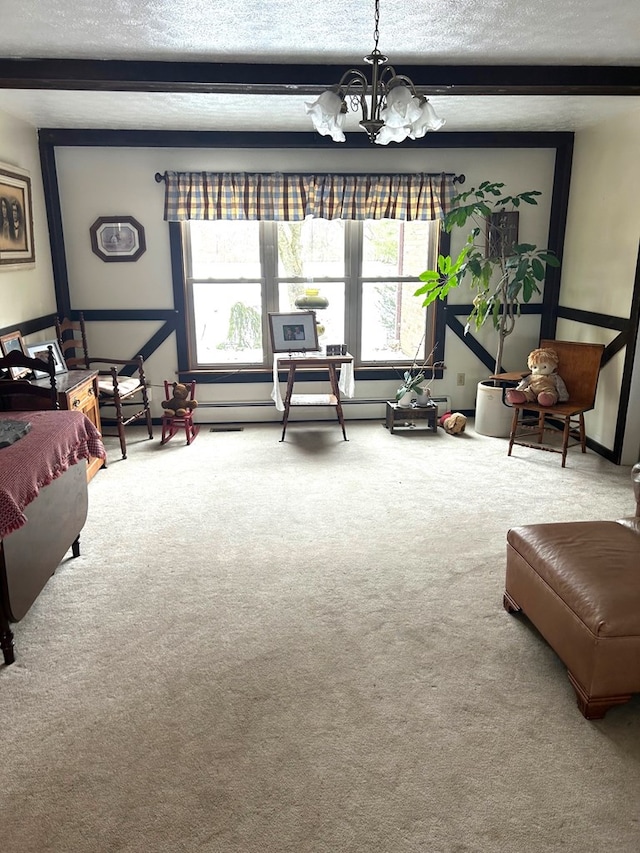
x,y
238,271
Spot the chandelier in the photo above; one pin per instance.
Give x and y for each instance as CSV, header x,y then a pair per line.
x,y
396,112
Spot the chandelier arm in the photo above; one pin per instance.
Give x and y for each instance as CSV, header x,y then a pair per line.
x,y
349,78
388,75
354,84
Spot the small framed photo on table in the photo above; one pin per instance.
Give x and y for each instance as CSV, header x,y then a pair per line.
x,y
294,332
41,350
13,341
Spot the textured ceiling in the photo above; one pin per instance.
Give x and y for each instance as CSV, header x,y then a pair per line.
x,y
425,32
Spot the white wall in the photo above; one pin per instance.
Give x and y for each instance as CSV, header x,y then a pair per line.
x,y
106,181
26,293
601,252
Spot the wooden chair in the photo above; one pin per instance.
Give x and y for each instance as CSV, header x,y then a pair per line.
x,y
122,385
20,394
579,367
172,423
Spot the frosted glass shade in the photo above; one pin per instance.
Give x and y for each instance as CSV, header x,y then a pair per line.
x,y
427,120
327,115
391,134
402,108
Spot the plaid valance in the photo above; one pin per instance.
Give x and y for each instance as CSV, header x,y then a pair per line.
x,y
290,197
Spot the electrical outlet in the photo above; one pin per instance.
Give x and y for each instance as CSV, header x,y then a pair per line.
x,y
460,379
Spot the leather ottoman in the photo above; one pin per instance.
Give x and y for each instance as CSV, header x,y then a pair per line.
x,y
579,585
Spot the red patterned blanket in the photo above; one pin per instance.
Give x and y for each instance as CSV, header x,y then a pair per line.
x,y
57,439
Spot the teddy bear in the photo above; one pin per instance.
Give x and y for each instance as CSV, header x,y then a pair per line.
x,y
453,423
179,405
543,385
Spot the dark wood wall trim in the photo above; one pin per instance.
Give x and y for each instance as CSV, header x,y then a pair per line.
x,y
557,228
591,318
177,276
629,361
104,138
56,233
30,327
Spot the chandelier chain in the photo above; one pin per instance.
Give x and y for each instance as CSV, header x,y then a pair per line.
x,y
376,31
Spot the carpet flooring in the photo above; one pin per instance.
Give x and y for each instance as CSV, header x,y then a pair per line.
x,y
300,647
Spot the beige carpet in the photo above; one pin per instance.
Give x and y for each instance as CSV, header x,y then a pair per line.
x,y
301,648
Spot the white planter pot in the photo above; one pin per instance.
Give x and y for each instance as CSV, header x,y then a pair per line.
x,y
405,401
493,417
423,400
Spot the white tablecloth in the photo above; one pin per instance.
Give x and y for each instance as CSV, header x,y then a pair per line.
x,y
346,382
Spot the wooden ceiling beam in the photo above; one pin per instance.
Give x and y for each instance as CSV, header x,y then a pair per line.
x,y
282,79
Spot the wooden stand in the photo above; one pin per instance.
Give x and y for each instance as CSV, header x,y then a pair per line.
x,y
330,362
399,414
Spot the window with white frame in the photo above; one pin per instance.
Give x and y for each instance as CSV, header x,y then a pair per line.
x,y
236,272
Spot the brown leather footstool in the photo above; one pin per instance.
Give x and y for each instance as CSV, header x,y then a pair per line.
x,y
579,585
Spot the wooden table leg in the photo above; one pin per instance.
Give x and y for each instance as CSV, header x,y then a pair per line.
x,y
335,389
287,398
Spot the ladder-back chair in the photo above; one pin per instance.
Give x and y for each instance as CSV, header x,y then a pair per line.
x,y
579,366
20,394
122,385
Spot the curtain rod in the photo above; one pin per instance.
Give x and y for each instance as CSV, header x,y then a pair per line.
x,y
457,179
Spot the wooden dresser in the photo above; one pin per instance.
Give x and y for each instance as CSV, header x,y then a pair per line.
x,y
78,389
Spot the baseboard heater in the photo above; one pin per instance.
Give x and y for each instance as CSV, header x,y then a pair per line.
x,y
443,403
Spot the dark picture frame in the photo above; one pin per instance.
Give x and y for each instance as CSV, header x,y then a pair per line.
x,y
117,238
293,332
41,350
16,219
502,233
13,341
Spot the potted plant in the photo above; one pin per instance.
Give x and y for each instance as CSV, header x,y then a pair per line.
x,y
503,272
415,385
412,384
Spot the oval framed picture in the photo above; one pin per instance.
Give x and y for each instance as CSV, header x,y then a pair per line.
x,y
117,238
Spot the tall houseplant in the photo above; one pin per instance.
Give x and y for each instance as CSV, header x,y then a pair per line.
x,y
503,273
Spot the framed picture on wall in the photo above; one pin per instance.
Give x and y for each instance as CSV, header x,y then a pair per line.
x,y
41,350
293,332
117,238
13,341
502,233
16,218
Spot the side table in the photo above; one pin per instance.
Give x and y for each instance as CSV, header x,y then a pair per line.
x,y
78,391
399,417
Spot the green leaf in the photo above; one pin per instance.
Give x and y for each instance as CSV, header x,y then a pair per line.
x,y
428,287
537,268
429,275
549,258
521,248
528,287
523,268
476,267
528,197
